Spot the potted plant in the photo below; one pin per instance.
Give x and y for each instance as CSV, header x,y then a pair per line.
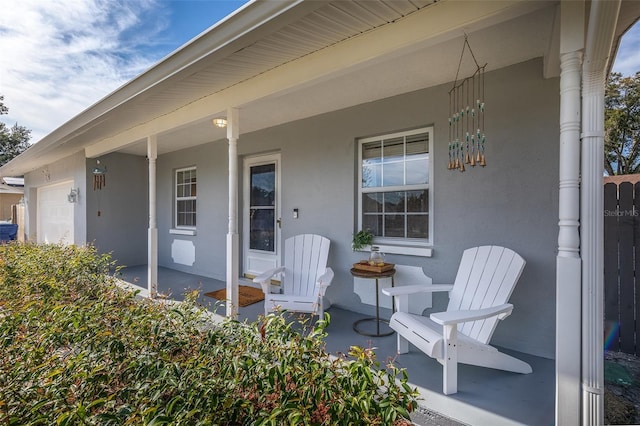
x,y
361,239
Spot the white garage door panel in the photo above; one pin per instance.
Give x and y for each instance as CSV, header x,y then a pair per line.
x,y
55,214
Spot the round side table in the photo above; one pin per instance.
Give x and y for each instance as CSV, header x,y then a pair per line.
x,y
374,276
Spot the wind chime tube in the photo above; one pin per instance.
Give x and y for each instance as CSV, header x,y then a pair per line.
x,y
473,122
467,160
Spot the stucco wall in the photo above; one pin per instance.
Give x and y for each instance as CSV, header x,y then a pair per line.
x,y
117,214
69,168
205,252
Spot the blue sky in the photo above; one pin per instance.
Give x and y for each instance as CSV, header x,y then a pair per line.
x,y
58,57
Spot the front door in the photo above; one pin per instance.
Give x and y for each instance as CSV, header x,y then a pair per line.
x,y
261,214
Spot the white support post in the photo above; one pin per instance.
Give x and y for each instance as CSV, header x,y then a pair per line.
x,y
603,17
232,235
568,262
152,247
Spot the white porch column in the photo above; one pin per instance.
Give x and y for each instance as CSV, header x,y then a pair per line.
x,y
568,264
602,22
152,245
568,259
232,235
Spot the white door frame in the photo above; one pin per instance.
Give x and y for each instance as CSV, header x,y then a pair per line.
x,y
257,261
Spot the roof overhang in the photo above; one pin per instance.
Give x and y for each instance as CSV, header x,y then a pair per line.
x,y
270,58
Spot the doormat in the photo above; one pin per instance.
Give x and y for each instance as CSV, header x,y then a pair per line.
x,y
247,295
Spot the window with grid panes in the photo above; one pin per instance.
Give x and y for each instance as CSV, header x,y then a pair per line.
x,y
394,186
186,192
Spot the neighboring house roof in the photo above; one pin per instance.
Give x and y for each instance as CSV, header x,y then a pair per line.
x,y
13,181
6,189
267,56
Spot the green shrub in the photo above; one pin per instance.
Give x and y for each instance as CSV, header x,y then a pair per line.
x,y
77,349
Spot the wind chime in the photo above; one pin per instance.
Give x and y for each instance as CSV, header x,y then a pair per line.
x,y
466,118
99,181
99,178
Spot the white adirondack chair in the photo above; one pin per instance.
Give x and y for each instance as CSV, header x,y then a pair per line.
x,y
477,300
304,276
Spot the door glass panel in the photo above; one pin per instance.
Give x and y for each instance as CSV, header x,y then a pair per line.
x,y
262,229
262,225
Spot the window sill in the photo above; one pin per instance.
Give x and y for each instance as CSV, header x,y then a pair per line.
x,y
182,231
420,251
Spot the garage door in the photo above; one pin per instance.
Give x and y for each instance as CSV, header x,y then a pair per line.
x,y
55,214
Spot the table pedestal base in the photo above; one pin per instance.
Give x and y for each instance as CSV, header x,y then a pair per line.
x,y
377,321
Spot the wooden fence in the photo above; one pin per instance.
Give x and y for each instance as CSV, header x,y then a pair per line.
x,y
621,263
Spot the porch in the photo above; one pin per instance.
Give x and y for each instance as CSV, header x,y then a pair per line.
x,y
485,396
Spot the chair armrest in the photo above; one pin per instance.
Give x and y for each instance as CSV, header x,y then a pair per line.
x,y
418,288
264,279
456,317
325,279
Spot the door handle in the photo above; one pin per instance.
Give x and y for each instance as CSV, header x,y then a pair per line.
x,y
279,221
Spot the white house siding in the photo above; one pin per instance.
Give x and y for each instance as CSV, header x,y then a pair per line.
x,y
512,202
66,170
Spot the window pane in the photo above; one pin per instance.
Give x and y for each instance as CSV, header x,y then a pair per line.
x,y
372,152
372,176
418,171
262,229
372,203
418,201
418,226
263,185
393,174
394,202
393,150
394,225
186,213
373,223
417,144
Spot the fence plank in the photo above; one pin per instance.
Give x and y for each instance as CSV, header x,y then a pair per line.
x,y
611,302
625,250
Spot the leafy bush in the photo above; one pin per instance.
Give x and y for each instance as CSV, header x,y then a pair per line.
x,y
77,349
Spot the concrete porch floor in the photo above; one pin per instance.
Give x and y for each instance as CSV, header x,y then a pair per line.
x,y
485,396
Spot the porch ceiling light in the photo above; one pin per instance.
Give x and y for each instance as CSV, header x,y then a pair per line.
x,y
220,122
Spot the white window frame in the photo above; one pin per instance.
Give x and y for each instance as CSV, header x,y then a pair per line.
x,y
177,227
408,246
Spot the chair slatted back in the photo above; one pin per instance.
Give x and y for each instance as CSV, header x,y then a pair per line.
x,y
305,259
486,277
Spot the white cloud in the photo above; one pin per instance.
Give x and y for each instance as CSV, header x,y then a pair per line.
x,y
60,56
627,60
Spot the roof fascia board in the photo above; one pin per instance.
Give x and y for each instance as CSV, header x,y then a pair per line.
x,y
437,23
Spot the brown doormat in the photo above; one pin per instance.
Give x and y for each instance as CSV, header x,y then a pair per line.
x,y
247,295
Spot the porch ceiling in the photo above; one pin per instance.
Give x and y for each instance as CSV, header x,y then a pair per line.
x,y
320,35
268,57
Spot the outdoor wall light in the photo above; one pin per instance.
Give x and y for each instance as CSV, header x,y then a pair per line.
x,y
220,122
73,195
